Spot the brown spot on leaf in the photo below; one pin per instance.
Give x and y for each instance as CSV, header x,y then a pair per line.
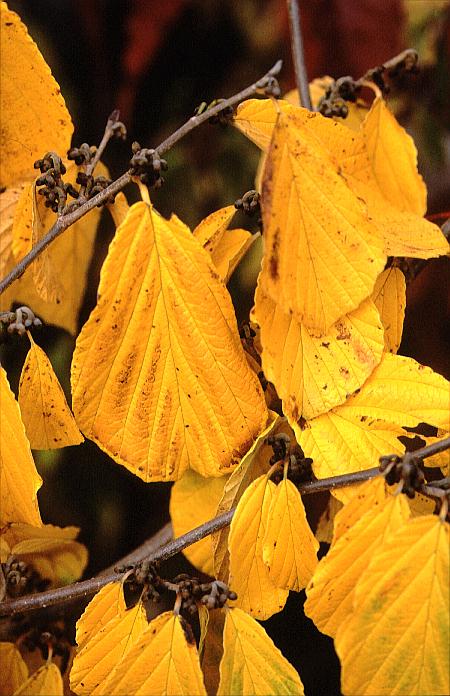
x,y
274,255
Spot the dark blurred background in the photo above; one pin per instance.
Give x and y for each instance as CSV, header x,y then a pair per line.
x,y
156,60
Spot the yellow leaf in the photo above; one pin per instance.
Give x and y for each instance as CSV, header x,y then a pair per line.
x,y
20,481
421,505
34,115
323,252
160,380
289,546
23,222
210,231
8,205
203,620
325,525
164,661
51,551
119,209
14,669
330,593
5,552
47,681
48,421
213,651
396,641
339,444
442,459
357,110
107,604
364,497
312,375
389,296
194,500
393,157
103,649
249,576
251,663
253,464
256,119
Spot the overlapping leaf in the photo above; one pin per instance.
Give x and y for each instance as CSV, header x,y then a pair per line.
x,y
159,377
20,480
108,603
312,374
48,421
14,669
330,593
251,663
8,205
289,546
389,296
47,681
194,500
249,576
163,661
364,497
396,641
27,132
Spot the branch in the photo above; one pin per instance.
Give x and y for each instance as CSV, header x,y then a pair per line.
x,y
298,54
65,221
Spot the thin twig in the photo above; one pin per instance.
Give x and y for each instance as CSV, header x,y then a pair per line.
x,y
69,219
298,54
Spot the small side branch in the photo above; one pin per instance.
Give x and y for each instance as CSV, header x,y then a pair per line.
x,y
298,54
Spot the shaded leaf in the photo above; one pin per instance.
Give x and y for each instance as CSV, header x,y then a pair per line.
x,y
8,205
104,649
253,464
164,661
108,603
249,576
251,663
330,593
323,252
170,338
325,525
389,296
289,546
20,480
194,500
396,641
27,132
119,209
213,651
14,669
47,681
311,375
48,421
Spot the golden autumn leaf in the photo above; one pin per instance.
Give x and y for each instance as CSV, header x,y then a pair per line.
x,y
213,651
356,111
442,459
194,500
104,648
48,421
289,546
107,604
329,595
256,593
364,497
160,380
311,375
389,296
325,525
393,157
164,661
211,229
253,464
256,118
251,663
27,132
47,681
14,669
8,205
323,251
20,480
119,209
396,641
52,551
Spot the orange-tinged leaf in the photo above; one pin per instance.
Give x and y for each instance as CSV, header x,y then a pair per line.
x,y
323,252
23,221
194,500
20,480
249,576
8,205
289,546
251,663
107,604
47,681
396,641
103,650
27,132
253,464
160,380
164,661
14,669
393,157
442,459
364,497
389,296
312,375
52,551
330,593
213,651
48,421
